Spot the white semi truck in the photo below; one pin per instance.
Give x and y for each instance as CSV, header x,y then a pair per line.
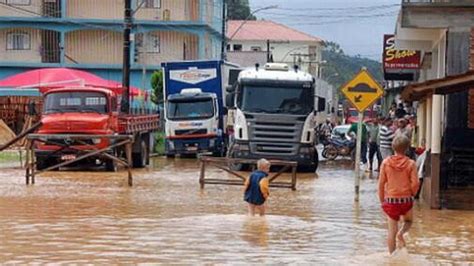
x,y
274,109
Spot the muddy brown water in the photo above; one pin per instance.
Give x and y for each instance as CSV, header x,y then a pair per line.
x,y
94,217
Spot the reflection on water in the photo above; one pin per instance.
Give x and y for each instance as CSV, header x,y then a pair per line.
x,y
255,231
94,217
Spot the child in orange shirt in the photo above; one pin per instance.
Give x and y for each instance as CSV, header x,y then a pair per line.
x,y
256,190
398,184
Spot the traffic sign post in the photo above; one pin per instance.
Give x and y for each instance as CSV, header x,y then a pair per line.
x,y
357,157
362,92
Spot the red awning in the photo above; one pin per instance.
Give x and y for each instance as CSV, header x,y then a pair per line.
x,y
46,78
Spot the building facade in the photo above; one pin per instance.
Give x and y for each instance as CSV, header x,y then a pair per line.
x,y
280,43
88,34
442,30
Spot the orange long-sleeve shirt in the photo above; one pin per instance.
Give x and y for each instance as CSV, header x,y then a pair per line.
x,y
398,178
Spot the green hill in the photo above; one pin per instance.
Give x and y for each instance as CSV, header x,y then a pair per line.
x,y
340,68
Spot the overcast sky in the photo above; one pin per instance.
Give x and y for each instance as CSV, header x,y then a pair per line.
x,y
357,25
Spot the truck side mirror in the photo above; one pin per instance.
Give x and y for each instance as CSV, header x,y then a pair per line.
x,y
229,89
229,100
321,104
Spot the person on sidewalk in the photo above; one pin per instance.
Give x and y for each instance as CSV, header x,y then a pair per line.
x,y
398,184
386,135
374,144
256,188
363,151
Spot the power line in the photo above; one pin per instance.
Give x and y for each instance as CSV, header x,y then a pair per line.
x,y
358,8
293,16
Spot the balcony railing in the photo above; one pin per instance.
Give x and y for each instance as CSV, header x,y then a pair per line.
x,y
208,11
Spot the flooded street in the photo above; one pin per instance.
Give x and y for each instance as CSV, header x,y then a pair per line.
x,y
94,217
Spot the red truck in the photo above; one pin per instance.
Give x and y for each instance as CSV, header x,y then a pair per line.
x,y
352,115
91,111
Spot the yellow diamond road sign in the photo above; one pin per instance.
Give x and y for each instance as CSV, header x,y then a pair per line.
x,y
362,91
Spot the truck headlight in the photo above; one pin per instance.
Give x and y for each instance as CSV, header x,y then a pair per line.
x,y
96,141
212,142
171,145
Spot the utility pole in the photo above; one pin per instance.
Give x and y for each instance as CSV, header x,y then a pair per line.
x,y
224,37
268,51
125,103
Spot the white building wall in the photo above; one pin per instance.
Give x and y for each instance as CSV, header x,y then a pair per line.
x,y
285,52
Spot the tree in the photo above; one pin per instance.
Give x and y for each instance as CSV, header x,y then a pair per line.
x,y
157,87
239,10
341,68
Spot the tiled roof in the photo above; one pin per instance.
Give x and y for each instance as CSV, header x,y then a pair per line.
x,y
253,30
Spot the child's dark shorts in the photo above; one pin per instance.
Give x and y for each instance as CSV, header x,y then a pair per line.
x,y
396,209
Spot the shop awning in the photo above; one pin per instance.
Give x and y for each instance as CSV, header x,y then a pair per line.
x,y
47,78
447,85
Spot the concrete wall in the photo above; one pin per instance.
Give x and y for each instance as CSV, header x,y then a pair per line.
x,y
33,55
94,47
174,46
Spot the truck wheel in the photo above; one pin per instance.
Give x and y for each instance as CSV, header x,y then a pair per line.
x,y
111,166
314,167
139,159
239,167
42,163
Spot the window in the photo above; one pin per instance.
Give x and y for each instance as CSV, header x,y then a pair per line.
x,y
152,3
18,41
237,47
83,102
256,48
153,44
150,43
228,47
19,2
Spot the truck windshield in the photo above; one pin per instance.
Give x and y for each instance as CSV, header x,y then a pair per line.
x,y
78,101
190,109
285,100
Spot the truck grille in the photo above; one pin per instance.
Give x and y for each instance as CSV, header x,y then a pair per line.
x,y
274,149
275,132
182,132
64,142
271,135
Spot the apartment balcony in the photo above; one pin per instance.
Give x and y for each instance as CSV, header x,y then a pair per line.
x,y
436,14
100,47
150,13
93,48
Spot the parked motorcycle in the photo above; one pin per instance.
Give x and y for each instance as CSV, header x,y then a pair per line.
x,y
339,147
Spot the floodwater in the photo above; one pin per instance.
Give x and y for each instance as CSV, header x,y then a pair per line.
x,y
94,217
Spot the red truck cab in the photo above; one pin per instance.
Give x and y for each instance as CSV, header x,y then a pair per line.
x,y
352,115
88,111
